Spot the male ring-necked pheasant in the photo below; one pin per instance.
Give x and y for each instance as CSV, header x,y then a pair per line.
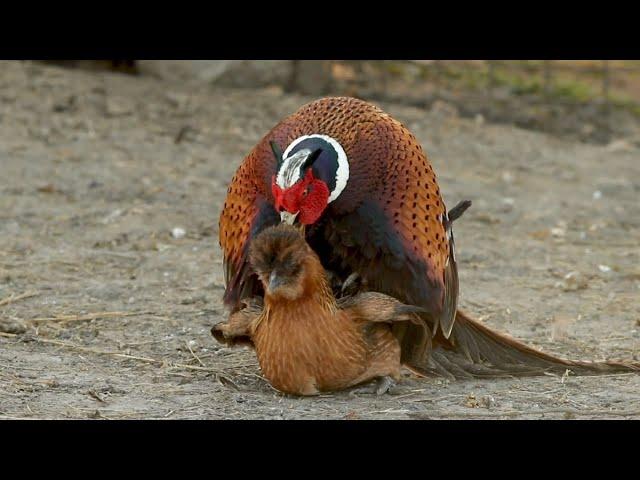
x,y
362,187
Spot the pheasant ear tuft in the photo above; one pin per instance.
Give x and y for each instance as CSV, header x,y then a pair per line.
x,y
313,156
277,152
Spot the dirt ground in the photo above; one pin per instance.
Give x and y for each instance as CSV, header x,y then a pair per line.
x,y
105,314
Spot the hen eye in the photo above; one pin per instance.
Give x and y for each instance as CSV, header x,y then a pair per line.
x,y
295,271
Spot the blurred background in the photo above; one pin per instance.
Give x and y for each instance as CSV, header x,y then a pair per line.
x,y
595,101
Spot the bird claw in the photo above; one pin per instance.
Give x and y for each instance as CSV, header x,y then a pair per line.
x,y
219,332
382,386
350,281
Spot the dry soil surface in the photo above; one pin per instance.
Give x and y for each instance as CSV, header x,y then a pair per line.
x,y
105,314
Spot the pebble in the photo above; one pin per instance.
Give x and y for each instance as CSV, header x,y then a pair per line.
x,y
117,107
178,232
573,281
488,401
15,327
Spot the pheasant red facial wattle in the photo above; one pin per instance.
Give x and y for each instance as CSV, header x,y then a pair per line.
x,y
308,198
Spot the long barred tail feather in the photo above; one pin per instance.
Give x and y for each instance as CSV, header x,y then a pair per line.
x,y
475,350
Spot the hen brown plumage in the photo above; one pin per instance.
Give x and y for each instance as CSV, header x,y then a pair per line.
x,y
307,341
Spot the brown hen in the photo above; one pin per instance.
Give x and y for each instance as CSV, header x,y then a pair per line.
x,y
306,341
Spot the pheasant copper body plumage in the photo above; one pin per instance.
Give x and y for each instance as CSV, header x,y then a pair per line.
x,y
308,342
367,195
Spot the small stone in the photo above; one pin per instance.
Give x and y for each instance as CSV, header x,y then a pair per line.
x,y
194,299
507,204
596,226
161,247
178,232
112,216
117,107
574,281
488,401
15,327
177,99
471,401
597,195
604,268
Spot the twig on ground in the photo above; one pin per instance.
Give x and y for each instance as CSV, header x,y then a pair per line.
x,y
93,350
194,355
128,357
94,394
14,298
88,316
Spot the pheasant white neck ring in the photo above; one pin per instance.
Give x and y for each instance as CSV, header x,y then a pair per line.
x,y
331,165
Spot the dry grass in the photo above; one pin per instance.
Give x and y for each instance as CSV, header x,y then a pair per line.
x,y
87,317
14,298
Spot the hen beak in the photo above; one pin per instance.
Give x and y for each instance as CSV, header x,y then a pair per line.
x,y
274,281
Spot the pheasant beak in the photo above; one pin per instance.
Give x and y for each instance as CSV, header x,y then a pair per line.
x,y
288,218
